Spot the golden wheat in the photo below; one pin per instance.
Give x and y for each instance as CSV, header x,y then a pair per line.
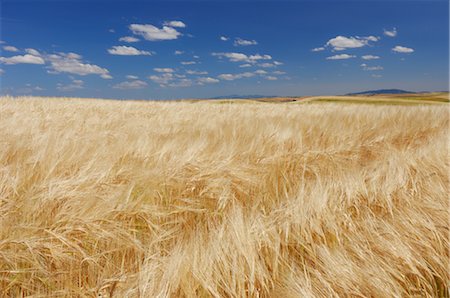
x,y
177,199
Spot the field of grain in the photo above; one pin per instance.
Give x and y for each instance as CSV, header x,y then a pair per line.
x,y
104,198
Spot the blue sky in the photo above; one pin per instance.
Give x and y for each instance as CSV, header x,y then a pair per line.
x,y
196,49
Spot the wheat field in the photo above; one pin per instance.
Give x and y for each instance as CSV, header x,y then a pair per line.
x,y
102,198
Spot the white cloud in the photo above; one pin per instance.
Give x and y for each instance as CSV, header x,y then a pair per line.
x,y
152,33
370,57
260,72
1,71
340,43
271,78
127,51
245,65
168,78
377,76
72,63
195,72
162,79
340,57
33,52
10,49
178,52
267,65
318,49
129,39
400,49
75,85
111,30
181,83
390,33
164,70
25,59
369,38
239,57
136,84
243,42
196,57
277,72
232,77
131,77
224,38
207,80
188,62
177,24
371,68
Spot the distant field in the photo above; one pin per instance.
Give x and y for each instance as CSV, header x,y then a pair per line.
x,y
103,198
386,99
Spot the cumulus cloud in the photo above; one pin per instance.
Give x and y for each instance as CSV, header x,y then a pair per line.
x,y
188,62
232,77
239,57
260,72
22,59
153,33
277,72
243,42
176,24
168,78
75,85
10,49
318,49
129,39
340,43
224,38
377,76
266,65
196,72
162,79
72,63
390,33
246,65
181,83
207,80
340,57
136,84
400,49
178,52
370,57
33,52
131,77
371,68
369,38
164,70
271,78
127,51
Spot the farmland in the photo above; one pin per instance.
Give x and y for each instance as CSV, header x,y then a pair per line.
x,y
319,197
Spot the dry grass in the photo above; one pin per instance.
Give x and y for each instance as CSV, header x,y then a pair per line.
x,y
136,199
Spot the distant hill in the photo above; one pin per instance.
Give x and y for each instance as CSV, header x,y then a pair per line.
x,y
381,91
236,96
